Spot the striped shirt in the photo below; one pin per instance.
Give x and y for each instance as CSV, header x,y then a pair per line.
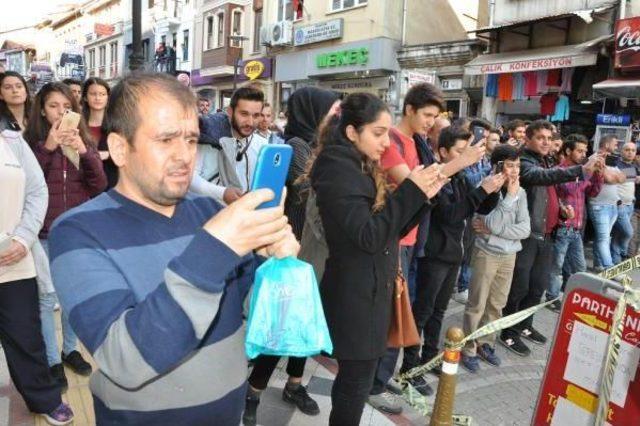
x,y
158,302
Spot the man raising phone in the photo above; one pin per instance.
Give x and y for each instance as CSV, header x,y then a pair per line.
x,y
168,270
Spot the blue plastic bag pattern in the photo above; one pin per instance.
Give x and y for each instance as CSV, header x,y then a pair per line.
x,y
285,315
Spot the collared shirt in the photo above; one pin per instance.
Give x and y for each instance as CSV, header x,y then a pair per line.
x,y
575,193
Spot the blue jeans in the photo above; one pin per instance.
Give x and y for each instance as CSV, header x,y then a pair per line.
x,y
603,217
567,249
47,304
622,233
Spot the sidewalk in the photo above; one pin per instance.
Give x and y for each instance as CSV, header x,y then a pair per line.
x,y
493,397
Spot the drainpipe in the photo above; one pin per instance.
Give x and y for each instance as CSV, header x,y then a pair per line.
x,y
623,8
404,22
492,9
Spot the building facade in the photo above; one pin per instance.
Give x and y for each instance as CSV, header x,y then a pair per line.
x,y
104,41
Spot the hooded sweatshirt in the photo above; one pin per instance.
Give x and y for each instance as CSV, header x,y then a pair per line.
x,y
306,108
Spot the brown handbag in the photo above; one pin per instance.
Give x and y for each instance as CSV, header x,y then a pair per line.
x,y
402,330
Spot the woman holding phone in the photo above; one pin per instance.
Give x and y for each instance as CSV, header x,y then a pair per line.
x,y
363,223
95,98
24,197
68,187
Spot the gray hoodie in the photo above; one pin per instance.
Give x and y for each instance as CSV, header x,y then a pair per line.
x,y
509,223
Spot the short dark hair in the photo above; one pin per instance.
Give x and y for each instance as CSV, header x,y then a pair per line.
x,y
607,139
422,95
452,134
556,136
496,131
123,114
515,123
202,98
572,140
70,81
504,152
536,126
480,122
246,93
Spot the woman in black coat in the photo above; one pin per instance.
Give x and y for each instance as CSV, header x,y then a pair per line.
x,y
363,224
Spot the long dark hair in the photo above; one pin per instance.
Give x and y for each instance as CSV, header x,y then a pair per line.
x,y
38,127
357,110
86,111
5,112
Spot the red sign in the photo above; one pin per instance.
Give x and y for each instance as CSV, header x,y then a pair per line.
x,y
103,30
569,393
628,44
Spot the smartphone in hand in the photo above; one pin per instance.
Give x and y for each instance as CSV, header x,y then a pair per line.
x,y
70,120
271,171
478,134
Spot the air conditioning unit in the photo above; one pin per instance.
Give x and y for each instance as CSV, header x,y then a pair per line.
x,y
278,34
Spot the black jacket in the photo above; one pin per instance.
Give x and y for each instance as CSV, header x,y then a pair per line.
x,y
536,175
358,282
456,203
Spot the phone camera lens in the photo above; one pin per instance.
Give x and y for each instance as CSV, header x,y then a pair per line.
x,y
276,160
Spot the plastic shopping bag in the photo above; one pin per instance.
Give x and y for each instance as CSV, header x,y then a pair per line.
x,y
285,315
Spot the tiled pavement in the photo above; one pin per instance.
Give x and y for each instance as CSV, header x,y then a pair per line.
x,y
495,396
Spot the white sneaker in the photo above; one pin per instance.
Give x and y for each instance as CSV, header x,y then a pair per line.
x,y
461,296
386,402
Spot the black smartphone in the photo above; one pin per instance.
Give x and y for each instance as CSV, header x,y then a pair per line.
x,y
478,134
612,160
500,167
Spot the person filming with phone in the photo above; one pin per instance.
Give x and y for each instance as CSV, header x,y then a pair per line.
x,y
154,278
58,136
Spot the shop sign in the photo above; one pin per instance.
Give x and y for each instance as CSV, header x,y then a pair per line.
x,y
412,78
357,84
343,58
627,55
613,120
316,33
103,30
256,68
451,83
529,65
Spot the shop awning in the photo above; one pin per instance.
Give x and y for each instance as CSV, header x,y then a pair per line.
x,y
621,87
546,58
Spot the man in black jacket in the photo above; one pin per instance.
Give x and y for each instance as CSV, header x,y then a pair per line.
x,y
438,270
538,178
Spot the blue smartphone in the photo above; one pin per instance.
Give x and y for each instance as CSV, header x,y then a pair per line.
x,y
271,171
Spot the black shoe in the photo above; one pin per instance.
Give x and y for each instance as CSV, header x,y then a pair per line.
x,y
515,345
533,335
301,399
437,370
555,306
394,388
75,362
420,384
57,372
249,417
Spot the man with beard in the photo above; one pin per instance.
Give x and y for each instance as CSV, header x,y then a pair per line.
x,y
229,147
153,279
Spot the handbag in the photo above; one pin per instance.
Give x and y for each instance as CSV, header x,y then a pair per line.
x,y
402,330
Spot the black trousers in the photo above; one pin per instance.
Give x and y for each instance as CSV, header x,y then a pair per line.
x,y
23,345
530,279
350,391
435,283
264,366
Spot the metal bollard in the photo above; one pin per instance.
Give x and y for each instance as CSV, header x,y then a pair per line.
x,y
445,397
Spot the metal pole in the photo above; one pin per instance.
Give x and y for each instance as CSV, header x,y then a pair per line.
x,y
136,60
443,408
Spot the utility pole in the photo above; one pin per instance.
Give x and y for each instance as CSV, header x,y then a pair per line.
x,y
136,60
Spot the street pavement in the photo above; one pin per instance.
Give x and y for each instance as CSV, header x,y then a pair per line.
x,y
495,396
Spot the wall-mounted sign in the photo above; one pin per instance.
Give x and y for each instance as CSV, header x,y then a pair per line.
x,y
316,33
343,58
628,44
613,119
103,30
356,84
255,68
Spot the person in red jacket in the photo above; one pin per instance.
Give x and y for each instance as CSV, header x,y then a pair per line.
x,y
69,186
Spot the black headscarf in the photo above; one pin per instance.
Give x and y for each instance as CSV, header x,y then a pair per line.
x,y
305,110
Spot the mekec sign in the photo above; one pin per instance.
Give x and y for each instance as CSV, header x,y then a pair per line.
x,y
343,58
628,44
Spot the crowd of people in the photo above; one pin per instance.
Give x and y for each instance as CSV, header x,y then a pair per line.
x,y
149,241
